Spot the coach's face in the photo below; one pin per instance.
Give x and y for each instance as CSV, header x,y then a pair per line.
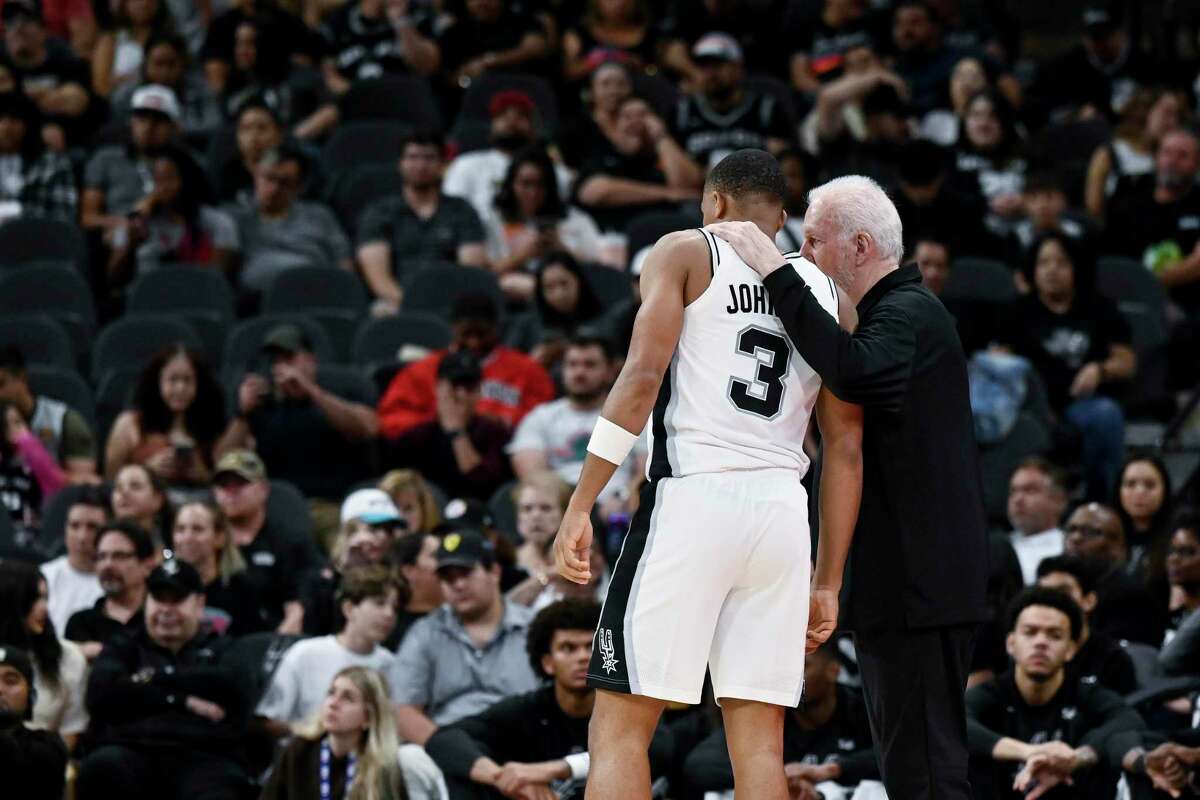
x,y
826,246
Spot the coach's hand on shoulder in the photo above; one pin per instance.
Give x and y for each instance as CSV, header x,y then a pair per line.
x,y
752,245
822,617
572,545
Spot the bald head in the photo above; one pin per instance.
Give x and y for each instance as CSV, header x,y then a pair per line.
x,y
1095,531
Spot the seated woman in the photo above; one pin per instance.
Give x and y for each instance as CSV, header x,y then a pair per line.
x,y
29,475
1080,345
1143,501
258,129
173,223
350,750
168,63
201,538
119,52
990,160
37,182
564,302
1180,654
529,221
413,498
609,83
621,28
177,416
59,667
140,496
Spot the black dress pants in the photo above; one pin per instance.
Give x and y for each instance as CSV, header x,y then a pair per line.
x,y
914,683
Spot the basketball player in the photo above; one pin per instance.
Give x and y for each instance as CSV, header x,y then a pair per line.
x,y
715,568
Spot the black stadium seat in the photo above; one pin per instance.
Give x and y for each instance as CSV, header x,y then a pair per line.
x,y
58,292
434,288
201,295
25,240
66,386
364,142
358,188
379,344
401,98
132,340
40,339
334,296
474,121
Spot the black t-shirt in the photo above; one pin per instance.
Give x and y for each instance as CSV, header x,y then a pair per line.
x,y
412,238
1103,661
1126,609
279,28
20,495
234,606
1072,79
641,167
60,67
1151,232
277,566
826,46
364,47
467,39
95,625
709,135
1059,345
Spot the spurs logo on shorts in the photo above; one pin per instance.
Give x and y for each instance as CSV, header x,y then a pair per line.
x,y
607,651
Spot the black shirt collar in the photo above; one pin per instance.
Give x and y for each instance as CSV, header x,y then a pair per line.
x,y
906,274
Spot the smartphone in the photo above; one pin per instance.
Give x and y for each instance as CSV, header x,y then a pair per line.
x,y
183,452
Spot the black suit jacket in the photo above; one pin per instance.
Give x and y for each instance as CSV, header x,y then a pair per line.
x,y
920,552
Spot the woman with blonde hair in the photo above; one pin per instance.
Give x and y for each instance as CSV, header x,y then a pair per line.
x,y
541,499
348,752
200,537
412,495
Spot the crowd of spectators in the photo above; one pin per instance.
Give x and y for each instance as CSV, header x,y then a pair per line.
x,y
240,565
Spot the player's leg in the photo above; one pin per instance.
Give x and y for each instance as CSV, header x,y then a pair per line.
x,y
619,736
754,734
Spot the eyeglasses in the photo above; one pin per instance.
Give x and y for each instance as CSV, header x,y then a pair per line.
x,y
1183,552
1086,530
119,555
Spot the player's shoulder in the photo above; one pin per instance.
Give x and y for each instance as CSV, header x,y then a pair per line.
x,y
676,252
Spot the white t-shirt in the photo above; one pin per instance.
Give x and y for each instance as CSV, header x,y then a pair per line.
x,y
561,432
304,675
70,591
62,709
476,177
1033,548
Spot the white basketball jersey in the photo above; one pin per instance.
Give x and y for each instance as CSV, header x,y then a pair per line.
x,y
736,395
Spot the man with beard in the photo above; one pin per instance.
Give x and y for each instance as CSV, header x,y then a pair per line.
x,y
554,436
421,224
124,558
168,714
725,115
476,176
34,762
1034,727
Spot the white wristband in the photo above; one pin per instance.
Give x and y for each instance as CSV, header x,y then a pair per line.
x,y
579,764
611,442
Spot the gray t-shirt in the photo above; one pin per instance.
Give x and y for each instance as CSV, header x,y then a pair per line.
x,y
438,238
123,177
441,669
165,238
306,672
309,236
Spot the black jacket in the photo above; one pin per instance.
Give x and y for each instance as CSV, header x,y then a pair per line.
x,y
920,552
138,690
34,763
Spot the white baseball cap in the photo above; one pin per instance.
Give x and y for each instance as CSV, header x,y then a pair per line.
x,y
157,98
372,506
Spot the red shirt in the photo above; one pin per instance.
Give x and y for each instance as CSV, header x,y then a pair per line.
x,y
513,384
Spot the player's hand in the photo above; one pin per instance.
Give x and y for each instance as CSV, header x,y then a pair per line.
x,y
822,618
572,545
752,245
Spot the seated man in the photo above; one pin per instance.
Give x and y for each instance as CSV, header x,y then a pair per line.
x,y
974,320
1037,499
1032,725
168,714
303,432
34,762
467,655
124,557
277,561
537,739
62,429
369,598
826,739
281,231
1098,658
513,383
460,451
71,578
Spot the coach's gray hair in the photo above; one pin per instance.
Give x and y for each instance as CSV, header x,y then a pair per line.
x,y
858,204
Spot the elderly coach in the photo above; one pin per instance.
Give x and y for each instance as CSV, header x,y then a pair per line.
x,y
914,586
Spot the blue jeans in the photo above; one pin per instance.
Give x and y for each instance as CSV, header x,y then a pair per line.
x,y
1102,424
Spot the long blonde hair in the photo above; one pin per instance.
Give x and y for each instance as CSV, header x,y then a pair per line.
x,y
229,561
399,481
377,776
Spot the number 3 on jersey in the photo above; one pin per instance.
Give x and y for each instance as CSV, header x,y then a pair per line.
x,y
764,396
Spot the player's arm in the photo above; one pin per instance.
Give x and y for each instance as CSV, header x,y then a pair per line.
x,y
655,334
841,427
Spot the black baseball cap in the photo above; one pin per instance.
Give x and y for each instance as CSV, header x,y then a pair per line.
x,y
287,339
466,513
465,549
174,580
1100,18
19,660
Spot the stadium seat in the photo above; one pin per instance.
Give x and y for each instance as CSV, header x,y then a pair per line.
x,y
57,291
648,228
244,345
1141,300
201,295
474,121
379,344
25,240
610,286
41,340
332,295
402,98
131,341
353,191
113,395
66,386
347,381
433,289
363,142
982,280
504,511
1028,437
